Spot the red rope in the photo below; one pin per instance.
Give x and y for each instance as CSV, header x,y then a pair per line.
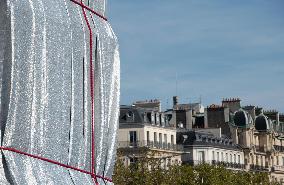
x,y
92,97
53,162
92,170
88,8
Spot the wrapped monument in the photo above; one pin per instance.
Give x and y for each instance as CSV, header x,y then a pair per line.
x,y
59,82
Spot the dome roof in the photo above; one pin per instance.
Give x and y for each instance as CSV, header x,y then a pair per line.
x,y
262,123
241,118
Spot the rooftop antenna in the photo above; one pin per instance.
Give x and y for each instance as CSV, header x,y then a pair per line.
x,y
167,103
200,99
176,83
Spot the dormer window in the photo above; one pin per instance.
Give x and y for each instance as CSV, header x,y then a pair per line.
x,y
129,114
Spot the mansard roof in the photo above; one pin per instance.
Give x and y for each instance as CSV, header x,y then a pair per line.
x,y
195,138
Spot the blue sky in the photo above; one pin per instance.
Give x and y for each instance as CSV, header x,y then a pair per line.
x,y
214,48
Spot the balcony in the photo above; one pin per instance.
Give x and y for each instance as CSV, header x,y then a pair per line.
x,y
279,148
254,167
151,145
277,168
217,163
228,164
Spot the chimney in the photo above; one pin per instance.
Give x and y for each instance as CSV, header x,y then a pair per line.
x,y
175,100
233,104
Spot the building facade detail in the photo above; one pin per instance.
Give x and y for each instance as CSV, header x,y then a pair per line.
x,y
234,136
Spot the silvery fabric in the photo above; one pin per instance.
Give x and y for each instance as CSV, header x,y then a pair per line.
x,y
45,91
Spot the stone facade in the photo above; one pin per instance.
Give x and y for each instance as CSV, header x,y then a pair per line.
x,y
260,135
143,128
237,137
210,148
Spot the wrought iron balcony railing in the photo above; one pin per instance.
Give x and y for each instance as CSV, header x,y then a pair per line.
x,y
277,168
150,144
228,164
217,163
254,167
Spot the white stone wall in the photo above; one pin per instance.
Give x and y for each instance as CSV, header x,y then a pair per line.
x,y
123,134
211,153
160,130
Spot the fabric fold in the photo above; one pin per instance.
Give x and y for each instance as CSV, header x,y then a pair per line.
x,y
45,85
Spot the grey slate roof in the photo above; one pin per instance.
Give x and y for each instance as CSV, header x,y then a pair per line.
x,y
201,139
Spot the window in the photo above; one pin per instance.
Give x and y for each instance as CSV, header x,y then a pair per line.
x,y
160,138
162,118
213,155
149,117
132,160
282,161
157,119
201,156
133,138
231,159
239,159
130,116
155,137
165,138
153,118
235,160
227,160
148,138
218,156
222,156
172,139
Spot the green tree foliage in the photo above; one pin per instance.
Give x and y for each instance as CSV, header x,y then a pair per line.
x,y
148,171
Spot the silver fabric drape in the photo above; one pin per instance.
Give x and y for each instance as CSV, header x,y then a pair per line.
x,y
45,91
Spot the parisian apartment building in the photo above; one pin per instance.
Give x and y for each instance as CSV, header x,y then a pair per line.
x,y
143,126
228,134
